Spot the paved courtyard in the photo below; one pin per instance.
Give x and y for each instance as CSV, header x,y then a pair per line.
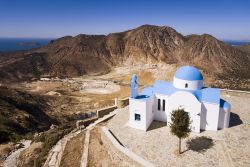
x,y
227,147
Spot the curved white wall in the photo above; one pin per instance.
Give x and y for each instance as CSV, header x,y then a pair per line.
x,y
192,85
224,117
190,104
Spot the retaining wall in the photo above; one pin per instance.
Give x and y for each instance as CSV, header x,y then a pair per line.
x,y
105,111
117,156
120,154
55,154
85,122
100,113
235,92
121,103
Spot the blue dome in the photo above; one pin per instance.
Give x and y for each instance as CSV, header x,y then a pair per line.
x,y
189,73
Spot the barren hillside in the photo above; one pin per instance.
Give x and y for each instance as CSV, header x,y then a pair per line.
x,y
84,54
244,48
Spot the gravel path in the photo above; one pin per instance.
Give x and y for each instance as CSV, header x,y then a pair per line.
x,y
11,160
228,147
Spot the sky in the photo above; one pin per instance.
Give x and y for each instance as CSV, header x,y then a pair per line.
x,y
224,19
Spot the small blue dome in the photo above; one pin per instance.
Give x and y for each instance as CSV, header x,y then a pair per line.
x,y
189,73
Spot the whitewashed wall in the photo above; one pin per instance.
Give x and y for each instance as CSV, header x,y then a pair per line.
x,y
139,107
212,116
150,114
224,117
203,117
222,114
192,85
160,115
190,104
227,118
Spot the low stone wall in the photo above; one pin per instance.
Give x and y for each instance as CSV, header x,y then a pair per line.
x,y
105,111
121,103
55,154
120,154
117,156
84,159
83,123
235,92
100,113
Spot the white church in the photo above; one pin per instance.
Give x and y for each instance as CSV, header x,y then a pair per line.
x,y
204,105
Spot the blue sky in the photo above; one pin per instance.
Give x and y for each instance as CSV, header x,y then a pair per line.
x,y
224,19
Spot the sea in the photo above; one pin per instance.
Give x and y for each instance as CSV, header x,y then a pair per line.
x,y
18,44
22,44
236,42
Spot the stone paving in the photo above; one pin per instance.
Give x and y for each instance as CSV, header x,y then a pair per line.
x,y
231,147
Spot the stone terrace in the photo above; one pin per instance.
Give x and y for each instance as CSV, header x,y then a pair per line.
x,y
231,147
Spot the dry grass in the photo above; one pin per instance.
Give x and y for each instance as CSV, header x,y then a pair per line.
x,y
31,152
98,155
5,149
73,151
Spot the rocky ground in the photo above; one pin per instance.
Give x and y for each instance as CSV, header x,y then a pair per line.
x,y
69,100
74,97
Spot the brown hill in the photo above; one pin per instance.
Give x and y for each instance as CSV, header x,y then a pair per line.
x,y
244,48
83,54
21,113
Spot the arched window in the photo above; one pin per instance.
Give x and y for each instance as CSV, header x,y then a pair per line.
x,y
163,105
159,104
186,85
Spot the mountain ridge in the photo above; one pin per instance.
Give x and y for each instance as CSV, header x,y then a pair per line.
x,y
148,44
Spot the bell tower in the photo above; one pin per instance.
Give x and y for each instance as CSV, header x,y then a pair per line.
x,y
134,85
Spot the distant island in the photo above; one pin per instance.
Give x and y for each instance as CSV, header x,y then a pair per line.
x,y
21,44
30,44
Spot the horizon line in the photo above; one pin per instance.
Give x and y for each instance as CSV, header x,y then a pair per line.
x,y
222,39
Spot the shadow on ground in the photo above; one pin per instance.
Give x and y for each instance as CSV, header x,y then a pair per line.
x,y
156,125
234,120
200,144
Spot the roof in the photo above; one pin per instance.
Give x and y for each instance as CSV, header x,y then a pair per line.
x,y
189,73
225,105
209,95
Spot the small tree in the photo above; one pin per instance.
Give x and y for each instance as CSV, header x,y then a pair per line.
x,y
180,125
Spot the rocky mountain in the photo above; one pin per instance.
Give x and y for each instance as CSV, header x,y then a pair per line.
x,y
83,54
245,48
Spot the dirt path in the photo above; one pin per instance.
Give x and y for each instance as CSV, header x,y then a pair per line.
x,y
98,155
11,160
73,151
